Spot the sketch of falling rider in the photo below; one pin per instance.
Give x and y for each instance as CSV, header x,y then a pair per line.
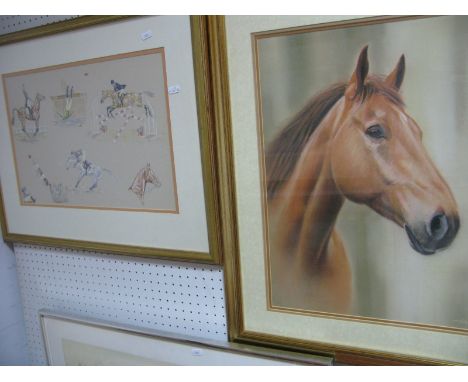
x,y
27,197
68,100
28,104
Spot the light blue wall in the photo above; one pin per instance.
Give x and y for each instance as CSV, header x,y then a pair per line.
x,y
13,345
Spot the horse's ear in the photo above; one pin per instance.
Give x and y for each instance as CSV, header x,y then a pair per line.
x,y
395,78
356,83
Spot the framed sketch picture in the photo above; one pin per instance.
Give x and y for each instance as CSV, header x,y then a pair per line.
x,y
106,138
78,341
348,141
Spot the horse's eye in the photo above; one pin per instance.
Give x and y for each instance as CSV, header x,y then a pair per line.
x,y
376,132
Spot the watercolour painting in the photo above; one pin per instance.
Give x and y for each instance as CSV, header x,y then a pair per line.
x,y
94,134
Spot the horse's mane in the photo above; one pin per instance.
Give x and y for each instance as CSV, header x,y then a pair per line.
x,y
283,152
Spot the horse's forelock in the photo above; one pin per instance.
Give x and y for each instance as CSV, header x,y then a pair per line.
x,y
377,85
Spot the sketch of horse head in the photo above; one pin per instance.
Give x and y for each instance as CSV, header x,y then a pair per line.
x,y
144,176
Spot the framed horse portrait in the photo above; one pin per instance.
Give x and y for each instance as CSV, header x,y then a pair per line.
x,y
349,147
106,140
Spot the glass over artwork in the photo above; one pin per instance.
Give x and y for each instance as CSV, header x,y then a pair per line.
x,y
364,158
94,134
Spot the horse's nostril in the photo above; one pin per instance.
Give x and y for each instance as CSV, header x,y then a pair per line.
x,y
438,226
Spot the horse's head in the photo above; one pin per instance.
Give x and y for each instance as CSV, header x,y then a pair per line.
x,y
377,158
151,177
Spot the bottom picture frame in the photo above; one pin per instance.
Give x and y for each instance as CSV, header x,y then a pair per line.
x,y
81,341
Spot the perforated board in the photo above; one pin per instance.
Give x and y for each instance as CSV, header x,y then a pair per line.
x,y
174,297
15,23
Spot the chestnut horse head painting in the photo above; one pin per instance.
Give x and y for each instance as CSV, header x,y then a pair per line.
x,y
354,141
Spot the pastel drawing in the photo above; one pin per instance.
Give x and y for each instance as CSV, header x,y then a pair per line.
x,y
354,141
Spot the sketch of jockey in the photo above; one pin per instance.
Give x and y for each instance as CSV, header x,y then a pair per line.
x,y
28,104
119,90
86,166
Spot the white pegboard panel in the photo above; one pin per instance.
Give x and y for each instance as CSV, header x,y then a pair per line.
x,y
175,297
15,23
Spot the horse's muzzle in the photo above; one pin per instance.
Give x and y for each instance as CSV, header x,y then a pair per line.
x,y
436,234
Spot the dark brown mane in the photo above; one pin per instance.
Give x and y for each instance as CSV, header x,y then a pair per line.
x,y
284,151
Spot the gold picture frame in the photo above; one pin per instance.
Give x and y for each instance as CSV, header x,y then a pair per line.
x,y
349,338
196,237
75,341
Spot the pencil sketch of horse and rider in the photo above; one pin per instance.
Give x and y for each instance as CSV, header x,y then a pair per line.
x,y
77,160
65,108
28,115
125,111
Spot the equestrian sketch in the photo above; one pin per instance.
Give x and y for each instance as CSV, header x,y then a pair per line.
x,y
29,112
74,119
70,108
77,159
122,109
139,184
58,191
